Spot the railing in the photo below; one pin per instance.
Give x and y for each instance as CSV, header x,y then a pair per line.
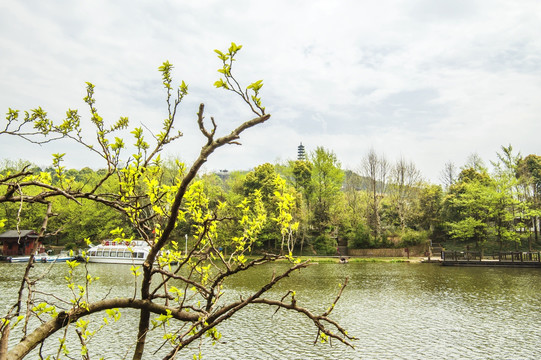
x,y
509,256
460,255
520,256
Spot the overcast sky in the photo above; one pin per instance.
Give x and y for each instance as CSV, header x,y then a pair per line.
x,y
429,81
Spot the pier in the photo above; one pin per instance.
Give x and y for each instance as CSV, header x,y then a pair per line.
x,y
476,258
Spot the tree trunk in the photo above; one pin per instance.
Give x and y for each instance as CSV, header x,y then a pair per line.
x,y
144,322
302,241
535,228
4,337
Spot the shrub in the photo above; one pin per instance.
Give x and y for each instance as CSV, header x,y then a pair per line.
x,y
360,238
325,245
70,246
412,237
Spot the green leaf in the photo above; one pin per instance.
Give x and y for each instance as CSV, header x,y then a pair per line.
x,y
221,84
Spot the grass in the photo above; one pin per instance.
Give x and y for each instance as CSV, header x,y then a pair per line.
x,y
324,259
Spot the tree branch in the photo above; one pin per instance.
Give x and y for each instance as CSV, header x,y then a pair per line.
x,y
50,327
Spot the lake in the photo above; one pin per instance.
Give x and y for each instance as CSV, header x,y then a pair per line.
x,y
397,310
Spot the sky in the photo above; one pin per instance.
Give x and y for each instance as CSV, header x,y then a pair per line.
x,y
427,81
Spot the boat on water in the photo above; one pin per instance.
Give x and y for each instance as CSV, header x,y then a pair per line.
x,y
113,252
42,258
62,257
18,259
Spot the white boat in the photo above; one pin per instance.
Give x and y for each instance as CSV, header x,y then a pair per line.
x,y
18,259
112,252
46,258
42,257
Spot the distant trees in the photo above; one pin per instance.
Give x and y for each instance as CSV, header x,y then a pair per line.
x,y
383,204
354,222
266,184
470,203
404,187
326,183
529,174
448,175
494,208
430,210
375,169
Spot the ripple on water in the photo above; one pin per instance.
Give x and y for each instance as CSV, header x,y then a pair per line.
x,y
398,311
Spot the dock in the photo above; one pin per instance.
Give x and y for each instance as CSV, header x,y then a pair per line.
x,y
475,258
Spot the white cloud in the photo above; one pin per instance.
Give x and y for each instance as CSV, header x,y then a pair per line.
x,y
430,81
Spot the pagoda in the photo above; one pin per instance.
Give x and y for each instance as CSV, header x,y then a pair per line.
x,y
301,154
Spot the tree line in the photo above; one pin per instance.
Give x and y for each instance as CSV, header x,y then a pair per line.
x,y
382,204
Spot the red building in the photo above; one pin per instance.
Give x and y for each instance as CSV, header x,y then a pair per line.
x,y
20,243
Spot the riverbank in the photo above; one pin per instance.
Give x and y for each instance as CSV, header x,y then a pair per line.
x,y
336,259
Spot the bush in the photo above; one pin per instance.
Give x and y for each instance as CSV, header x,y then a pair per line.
x,y
325,245
70,246
359,238
412,237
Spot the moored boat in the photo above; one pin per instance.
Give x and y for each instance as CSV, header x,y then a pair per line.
x,y
41,257
18,259
112,252
47,258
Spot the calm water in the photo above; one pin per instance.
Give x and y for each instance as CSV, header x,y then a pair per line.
x,y
398,311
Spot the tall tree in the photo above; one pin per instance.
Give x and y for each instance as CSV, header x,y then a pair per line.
x,y
405,184
375,168
355,197
302,173
448,175
506,204
326,182
265,182
430,208
471,202
529,174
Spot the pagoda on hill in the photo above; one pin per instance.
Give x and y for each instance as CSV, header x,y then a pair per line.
x,y
301,154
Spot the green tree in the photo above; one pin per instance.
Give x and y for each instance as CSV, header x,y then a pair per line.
x,y
301,171
506,204
529,175
263,178
155,205
429,210
355,198
261,182
326,183
471,201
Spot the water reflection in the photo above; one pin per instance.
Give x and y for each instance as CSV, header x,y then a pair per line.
x,y
399,311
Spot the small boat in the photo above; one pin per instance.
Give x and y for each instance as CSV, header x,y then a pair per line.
x,y
42,257
112,252
47,258
18,259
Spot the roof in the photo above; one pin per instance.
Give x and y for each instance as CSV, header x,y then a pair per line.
x,y
10,234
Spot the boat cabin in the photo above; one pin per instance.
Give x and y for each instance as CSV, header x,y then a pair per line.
x,y
20,243
112,252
